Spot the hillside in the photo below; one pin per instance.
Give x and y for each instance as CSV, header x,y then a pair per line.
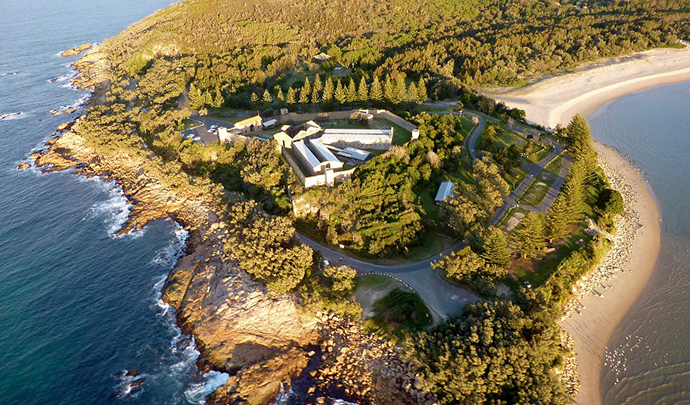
x,y
478,42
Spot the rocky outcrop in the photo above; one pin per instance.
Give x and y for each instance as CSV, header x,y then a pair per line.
x,y
366,368
76,50
92,68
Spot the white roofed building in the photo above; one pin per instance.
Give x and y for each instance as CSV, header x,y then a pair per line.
x,y
445,190
315,157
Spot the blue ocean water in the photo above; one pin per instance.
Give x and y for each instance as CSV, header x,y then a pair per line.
x,y
78,306
651,348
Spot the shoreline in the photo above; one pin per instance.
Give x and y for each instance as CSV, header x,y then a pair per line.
x,y
605,297
555,100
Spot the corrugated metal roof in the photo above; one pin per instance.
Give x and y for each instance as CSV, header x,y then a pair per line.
x,y
322,151
302,149
444,190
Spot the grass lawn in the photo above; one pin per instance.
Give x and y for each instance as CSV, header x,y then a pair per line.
x,y
515,177
188,124
515,210
536,272
538,189
508,138
555,165
389,307
542,151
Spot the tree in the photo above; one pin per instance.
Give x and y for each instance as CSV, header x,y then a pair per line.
x,y
389,90
496,247
218,100
254,98
318,85
316,95
340,95
266,247
342,279
363,91
280,96
290,99
493,353
461,265
305,93
328,90
421,91
559,218
528,237
351,93
196,98
400,89
412,93
266,98
376,92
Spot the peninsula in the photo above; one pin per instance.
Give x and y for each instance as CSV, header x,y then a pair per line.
x,y
363,224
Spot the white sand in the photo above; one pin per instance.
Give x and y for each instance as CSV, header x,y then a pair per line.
x,y
635,250
557,99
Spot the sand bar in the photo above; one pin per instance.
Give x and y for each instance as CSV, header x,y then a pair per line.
x,y
623,274
557,99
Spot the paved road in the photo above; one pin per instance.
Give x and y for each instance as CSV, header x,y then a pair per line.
x,y
442,297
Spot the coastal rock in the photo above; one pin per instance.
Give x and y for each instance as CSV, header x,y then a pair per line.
x,y
137,383
76,50
64,126
132,372
23,165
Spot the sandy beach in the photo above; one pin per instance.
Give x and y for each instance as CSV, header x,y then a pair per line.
x,y
606,296
557,99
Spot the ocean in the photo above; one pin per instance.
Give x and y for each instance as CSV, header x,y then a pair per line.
x,y
79,307
648,358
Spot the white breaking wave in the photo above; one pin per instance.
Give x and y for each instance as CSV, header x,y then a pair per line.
x,y
197,392
13,116
114,211
78,104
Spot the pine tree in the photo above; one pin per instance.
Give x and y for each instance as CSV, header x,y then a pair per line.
x,y
218,100
496,247
412,93
400,89
290,99
421,90
316,95
340,95
363,91
254,98
318,86
280,96
351,93
528,236
267,99
305,93
389,90
376,93
328,90
196,98
558,218
208,99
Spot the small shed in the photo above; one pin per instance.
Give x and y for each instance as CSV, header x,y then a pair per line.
x,y
445,190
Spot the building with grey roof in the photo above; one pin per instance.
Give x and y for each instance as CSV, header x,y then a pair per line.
x,y
445,190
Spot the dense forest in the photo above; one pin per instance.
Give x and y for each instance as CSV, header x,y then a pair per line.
x,y
245,48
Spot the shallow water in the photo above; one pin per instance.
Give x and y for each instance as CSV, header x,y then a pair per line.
x,y
78,306
648,359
